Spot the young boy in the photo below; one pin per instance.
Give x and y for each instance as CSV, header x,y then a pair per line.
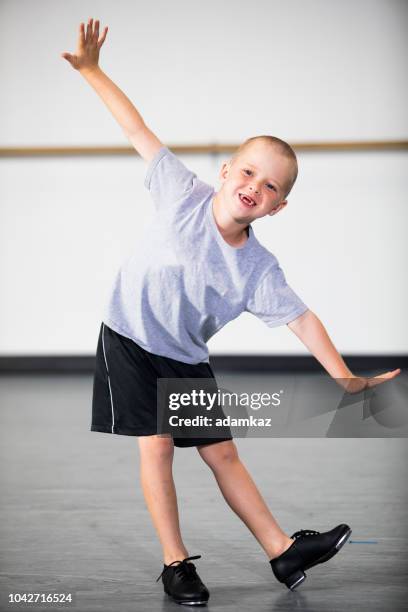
x,y
201,267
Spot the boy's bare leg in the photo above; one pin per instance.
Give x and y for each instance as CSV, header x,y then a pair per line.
x,y
156,460
242,495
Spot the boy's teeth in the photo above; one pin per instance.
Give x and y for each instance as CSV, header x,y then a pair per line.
x,y
247,200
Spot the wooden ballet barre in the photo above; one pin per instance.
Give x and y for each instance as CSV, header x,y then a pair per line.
x,y
374,145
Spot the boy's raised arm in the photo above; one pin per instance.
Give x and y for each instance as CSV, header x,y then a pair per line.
x,y
85,60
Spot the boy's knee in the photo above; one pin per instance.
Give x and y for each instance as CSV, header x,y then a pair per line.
x,y
156,448
220,453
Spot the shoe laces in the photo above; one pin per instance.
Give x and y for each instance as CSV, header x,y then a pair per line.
x,y
304,532
184,570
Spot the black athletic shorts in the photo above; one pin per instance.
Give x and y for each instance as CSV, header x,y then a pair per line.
x,y
124,398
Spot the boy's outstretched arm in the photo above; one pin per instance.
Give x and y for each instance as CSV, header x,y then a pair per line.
x,y
310,330
85,60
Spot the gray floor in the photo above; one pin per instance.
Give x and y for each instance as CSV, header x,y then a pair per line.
x,y
73,517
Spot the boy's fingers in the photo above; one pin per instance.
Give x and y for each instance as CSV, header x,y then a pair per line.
x,y
68,57
377,380
96,32
395,373
81,34
391,374
102,40
89,30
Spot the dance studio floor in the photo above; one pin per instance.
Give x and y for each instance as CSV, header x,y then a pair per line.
x,y
73,519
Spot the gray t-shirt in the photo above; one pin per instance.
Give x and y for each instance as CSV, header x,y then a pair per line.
x,y
183,283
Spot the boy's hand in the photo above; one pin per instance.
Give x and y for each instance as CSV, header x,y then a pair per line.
x,y
355,384
87,53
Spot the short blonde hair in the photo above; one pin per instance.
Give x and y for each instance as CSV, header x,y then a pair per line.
x,y
282,147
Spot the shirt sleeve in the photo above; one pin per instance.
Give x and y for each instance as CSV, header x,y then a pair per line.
x,y
274,301
168,179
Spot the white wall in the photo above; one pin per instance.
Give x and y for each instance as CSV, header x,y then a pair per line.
x,y
206,72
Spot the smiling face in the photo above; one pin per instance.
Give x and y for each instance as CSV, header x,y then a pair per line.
x,y
256,182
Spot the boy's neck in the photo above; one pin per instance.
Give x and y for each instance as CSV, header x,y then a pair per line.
x,y
233,233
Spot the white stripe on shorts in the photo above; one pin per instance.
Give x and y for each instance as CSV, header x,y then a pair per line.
x,y
107,370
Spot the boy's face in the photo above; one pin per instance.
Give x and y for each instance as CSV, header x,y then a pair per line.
x,y
259,173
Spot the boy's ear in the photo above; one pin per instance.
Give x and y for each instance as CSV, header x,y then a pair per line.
x,y
224,170
278,208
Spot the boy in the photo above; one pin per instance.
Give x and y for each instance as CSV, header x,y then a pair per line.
x,y
201,267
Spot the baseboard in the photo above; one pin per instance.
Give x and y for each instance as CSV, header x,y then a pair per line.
x,y
74,364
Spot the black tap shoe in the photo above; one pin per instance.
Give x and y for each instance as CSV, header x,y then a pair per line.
x,y
309,548
182,583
